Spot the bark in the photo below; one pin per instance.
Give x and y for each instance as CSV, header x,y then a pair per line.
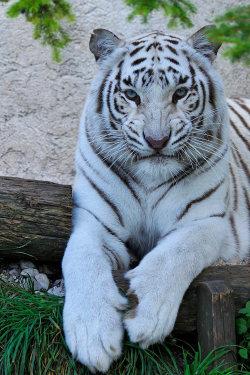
x,y
35,219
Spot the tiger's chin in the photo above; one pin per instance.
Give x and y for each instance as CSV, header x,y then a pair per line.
x,y
157,168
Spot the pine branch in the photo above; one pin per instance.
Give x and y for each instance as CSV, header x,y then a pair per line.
x,y
45,15
179,11
233,27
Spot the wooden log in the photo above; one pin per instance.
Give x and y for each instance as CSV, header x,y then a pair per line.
x,y
216,321
36,213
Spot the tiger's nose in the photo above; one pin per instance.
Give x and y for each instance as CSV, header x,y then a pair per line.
x,y
156,144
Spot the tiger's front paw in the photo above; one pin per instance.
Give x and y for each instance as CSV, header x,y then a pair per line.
x,y
94,330
154,308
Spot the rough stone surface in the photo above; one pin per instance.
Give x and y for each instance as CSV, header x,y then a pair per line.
x,y
24,264
14,273
58,289
43,280
41,102
30,271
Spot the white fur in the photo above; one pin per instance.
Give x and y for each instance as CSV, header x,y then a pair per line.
x,y
93,312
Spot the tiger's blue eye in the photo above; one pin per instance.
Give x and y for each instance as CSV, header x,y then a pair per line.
x,y
130,94
181,92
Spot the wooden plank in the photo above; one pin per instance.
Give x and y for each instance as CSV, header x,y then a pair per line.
x,y
216,320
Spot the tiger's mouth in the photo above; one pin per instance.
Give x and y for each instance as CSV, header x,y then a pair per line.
x,y
160,156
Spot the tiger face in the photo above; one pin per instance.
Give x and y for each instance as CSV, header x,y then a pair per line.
x,y
157,99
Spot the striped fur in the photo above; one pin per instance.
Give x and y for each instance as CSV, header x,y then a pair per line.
x,y
177,208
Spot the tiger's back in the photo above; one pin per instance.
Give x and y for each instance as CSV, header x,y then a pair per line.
x,y
239,112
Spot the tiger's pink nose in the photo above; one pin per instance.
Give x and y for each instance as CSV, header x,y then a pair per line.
x,y
156,144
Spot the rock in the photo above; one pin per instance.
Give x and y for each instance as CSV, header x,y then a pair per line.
x,y
43,280
26,264
58,282
43,268
11,279
14,273
57,291
30,271
37,286
14,265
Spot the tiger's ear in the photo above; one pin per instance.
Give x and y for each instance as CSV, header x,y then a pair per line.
x,y
200,43
102,43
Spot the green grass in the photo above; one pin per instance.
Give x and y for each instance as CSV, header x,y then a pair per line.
x,y
32,343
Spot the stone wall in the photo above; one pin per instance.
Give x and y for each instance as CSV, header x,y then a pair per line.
x,y
41,102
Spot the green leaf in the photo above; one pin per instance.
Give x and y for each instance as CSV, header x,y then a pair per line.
x,y
241,325
243,353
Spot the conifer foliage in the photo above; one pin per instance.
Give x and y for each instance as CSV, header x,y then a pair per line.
x,y
233,27
45,16
179,11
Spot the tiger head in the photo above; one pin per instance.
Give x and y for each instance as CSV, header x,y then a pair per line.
x,y
159,101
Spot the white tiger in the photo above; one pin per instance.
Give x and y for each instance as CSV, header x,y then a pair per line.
x,y
158,176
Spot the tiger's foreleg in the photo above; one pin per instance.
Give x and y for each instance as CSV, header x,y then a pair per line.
x,y
164,274
92,313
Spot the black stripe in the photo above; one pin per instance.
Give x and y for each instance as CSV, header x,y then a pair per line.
x,y
181,128
172,60
90,166
171,69
204,96
243,164
109,104
172,49
242,105
210,86
138,61
103,196
194,106
135,51
148,47
179,139
223,214
173,37
116,169
240,117
240,135
119,264
132,130
235,205
117,107
118,75
233,226
248,205
100,94
137,43
192,72
134,140
182,80
171,41
112,125
200,199
235,157
105,226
